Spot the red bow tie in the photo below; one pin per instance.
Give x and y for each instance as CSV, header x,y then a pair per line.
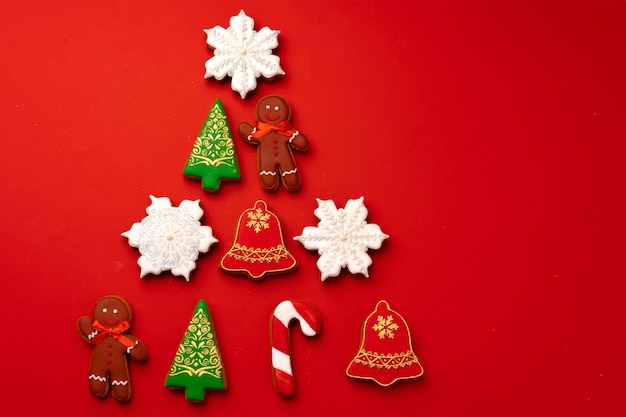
x,y
115,333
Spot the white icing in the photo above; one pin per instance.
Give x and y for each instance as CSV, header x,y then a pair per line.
x,y
285,312
242,53
252,133
170,238
342,238
281,361
116,382
97,378
296,133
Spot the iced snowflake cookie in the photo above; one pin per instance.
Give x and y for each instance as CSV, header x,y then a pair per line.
x,y
242,53
258,249
342,238
197,365
170,238
107,332
275,140
213,156
386,352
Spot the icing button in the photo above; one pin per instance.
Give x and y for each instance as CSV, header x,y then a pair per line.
x,y
108,361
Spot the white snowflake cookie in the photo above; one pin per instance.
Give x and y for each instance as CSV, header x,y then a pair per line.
x,y
170,238
242,53
342,238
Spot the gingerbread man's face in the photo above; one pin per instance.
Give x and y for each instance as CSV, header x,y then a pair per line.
x,y
111,311
273,110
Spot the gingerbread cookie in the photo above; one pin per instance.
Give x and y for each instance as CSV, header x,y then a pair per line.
x,y
213,157
170,238
106,331
197,365
386,352
275,140
342,238
242,53
284,314
258,249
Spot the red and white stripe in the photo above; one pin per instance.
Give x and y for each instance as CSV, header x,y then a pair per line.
x,y
284,313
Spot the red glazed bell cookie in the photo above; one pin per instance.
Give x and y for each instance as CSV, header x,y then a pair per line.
x,y
284,314
258,248
386,353
342,238
106,331
275,139
170,238
242,53
197,365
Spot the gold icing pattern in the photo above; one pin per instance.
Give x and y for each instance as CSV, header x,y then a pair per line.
x,y
252,255
197,355
214,146
387,361
385,327
258,220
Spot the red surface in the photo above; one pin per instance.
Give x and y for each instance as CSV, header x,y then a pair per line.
x,y
487,139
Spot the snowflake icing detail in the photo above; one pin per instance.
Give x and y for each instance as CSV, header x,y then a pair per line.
x,y
242,53
385,327
170,238
258,220
342,238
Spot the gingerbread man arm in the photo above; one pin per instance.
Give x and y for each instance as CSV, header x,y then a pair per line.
x,y
139,352
299,142
84,327
245,129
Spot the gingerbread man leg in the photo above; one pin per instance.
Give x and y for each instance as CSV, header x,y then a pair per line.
x,y
269,179
120,383
290,178
98,381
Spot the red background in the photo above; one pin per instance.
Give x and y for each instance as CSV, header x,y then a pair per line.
x,y
488,140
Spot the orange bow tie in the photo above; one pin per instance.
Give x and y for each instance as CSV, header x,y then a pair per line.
x,y
284,128
115,333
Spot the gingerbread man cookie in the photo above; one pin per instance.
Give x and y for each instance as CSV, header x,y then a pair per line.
x,y
112,317
275,139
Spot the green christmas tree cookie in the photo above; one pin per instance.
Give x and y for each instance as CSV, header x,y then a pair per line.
x,y
213,155
197,365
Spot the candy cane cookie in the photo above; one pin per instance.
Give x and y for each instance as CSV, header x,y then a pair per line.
x,y
309,321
